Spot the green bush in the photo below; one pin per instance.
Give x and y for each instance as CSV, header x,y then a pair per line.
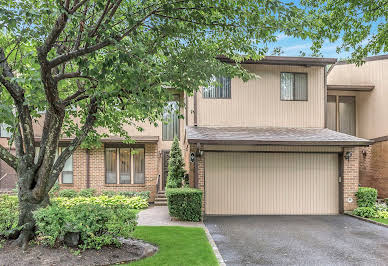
x,y
382,214
87,192
99,220
9,212
67,193
366,212
185,203
176,165
381,207
386,201
129,194
366,197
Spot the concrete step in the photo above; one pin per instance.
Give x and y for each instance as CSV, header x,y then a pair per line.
x,y
160,203
161,196
159,199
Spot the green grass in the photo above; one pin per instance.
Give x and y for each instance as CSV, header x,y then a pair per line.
x,y
177,246
380,220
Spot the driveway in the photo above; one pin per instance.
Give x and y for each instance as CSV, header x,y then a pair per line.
x,y
312,240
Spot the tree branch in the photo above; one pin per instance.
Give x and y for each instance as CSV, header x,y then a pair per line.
x,y
7,157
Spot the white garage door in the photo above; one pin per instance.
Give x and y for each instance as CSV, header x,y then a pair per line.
x,y
271,183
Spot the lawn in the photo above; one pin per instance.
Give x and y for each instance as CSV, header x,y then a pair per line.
x,y
177,246
380,220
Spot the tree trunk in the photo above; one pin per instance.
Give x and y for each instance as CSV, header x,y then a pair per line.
x,y
27,205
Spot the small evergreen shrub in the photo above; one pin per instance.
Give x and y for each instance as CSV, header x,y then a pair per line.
x,y
185,203
366,212
176,165
9,214
99,222
366,197
67,193
87,192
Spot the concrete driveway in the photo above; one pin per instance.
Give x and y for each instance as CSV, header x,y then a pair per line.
x,y
303,240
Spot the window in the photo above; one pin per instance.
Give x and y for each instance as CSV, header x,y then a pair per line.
x,y
341,114
219,87
67,171
293,86
4,133
170,130
124,166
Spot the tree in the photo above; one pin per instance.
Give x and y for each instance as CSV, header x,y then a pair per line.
x,y
360,27
91,64
176,171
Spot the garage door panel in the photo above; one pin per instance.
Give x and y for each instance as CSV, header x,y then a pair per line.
x,y
271,183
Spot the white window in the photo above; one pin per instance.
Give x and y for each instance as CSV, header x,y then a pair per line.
x,y
67,172
4,133
293,86
124,166
219,88
171,125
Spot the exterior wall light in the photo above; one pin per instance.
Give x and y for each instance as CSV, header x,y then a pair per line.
x,y
348,154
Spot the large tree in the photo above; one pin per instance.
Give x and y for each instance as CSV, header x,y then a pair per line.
x,y
81,65
360,27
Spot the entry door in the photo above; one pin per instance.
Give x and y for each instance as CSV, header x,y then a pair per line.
x,y
271,183
166,157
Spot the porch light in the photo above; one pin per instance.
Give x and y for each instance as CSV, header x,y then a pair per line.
x,y
348,154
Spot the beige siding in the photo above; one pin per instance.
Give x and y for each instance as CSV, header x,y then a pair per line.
x,y
371,107
271,183
257,102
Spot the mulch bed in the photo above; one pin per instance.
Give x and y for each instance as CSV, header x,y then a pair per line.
x,y
131,250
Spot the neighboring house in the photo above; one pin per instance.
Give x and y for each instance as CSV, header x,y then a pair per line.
x,y
358,105
8,176
256,147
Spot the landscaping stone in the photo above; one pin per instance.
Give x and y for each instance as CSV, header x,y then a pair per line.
x,y
72,239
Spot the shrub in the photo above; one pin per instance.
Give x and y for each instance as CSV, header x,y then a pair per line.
x,y
67,193
366,197
366,212
185,203
176,166
112,202
381,207
129,194
382,214
87,192
386,201
97,223
9,212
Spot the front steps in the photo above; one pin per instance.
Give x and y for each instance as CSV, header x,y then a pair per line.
x,y
160,199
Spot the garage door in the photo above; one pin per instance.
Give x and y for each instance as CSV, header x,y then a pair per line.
x,y
271,183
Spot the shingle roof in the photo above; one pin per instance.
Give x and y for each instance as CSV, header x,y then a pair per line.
x,y
286,60
272,136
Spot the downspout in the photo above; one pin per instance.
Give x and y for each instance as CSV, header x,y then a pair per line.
x,y
87,168
195,109
325,97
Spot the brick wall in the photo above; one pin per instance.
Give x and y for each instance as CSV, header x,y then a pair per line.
x,y
351,178
374,167
97,172
8,173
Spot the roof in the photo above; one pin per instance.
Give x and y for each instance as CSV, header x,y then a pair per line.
x,y
114,139
286,60
366,59
272,136
351,87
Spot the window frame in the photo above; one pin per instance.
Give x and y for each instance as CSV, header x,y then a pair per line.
x,y
338,113
293,92
177,100
60,149
131,163
219,98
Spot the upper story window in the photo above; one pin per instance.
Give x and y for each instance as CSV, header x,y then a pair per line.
x,y
4,133
124,166
341,114
171,127
293,86
219,88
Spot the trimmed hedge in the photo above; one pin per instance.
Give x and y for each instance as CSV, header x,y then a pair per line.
x,y
128,194
87,192
185,203
366,197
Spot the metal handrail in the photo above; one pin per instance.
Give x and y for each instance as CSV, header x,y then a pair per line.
x,y
3,176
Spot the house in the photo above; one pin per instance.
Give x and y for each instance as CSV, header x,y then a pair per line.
x,y
357,105
256,147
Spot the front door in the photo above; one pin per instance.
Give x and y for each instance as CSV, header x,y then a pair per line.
x,y
166,157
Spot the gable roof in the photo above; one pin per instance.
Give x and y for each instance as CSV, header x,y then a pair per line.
x,y
272,136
